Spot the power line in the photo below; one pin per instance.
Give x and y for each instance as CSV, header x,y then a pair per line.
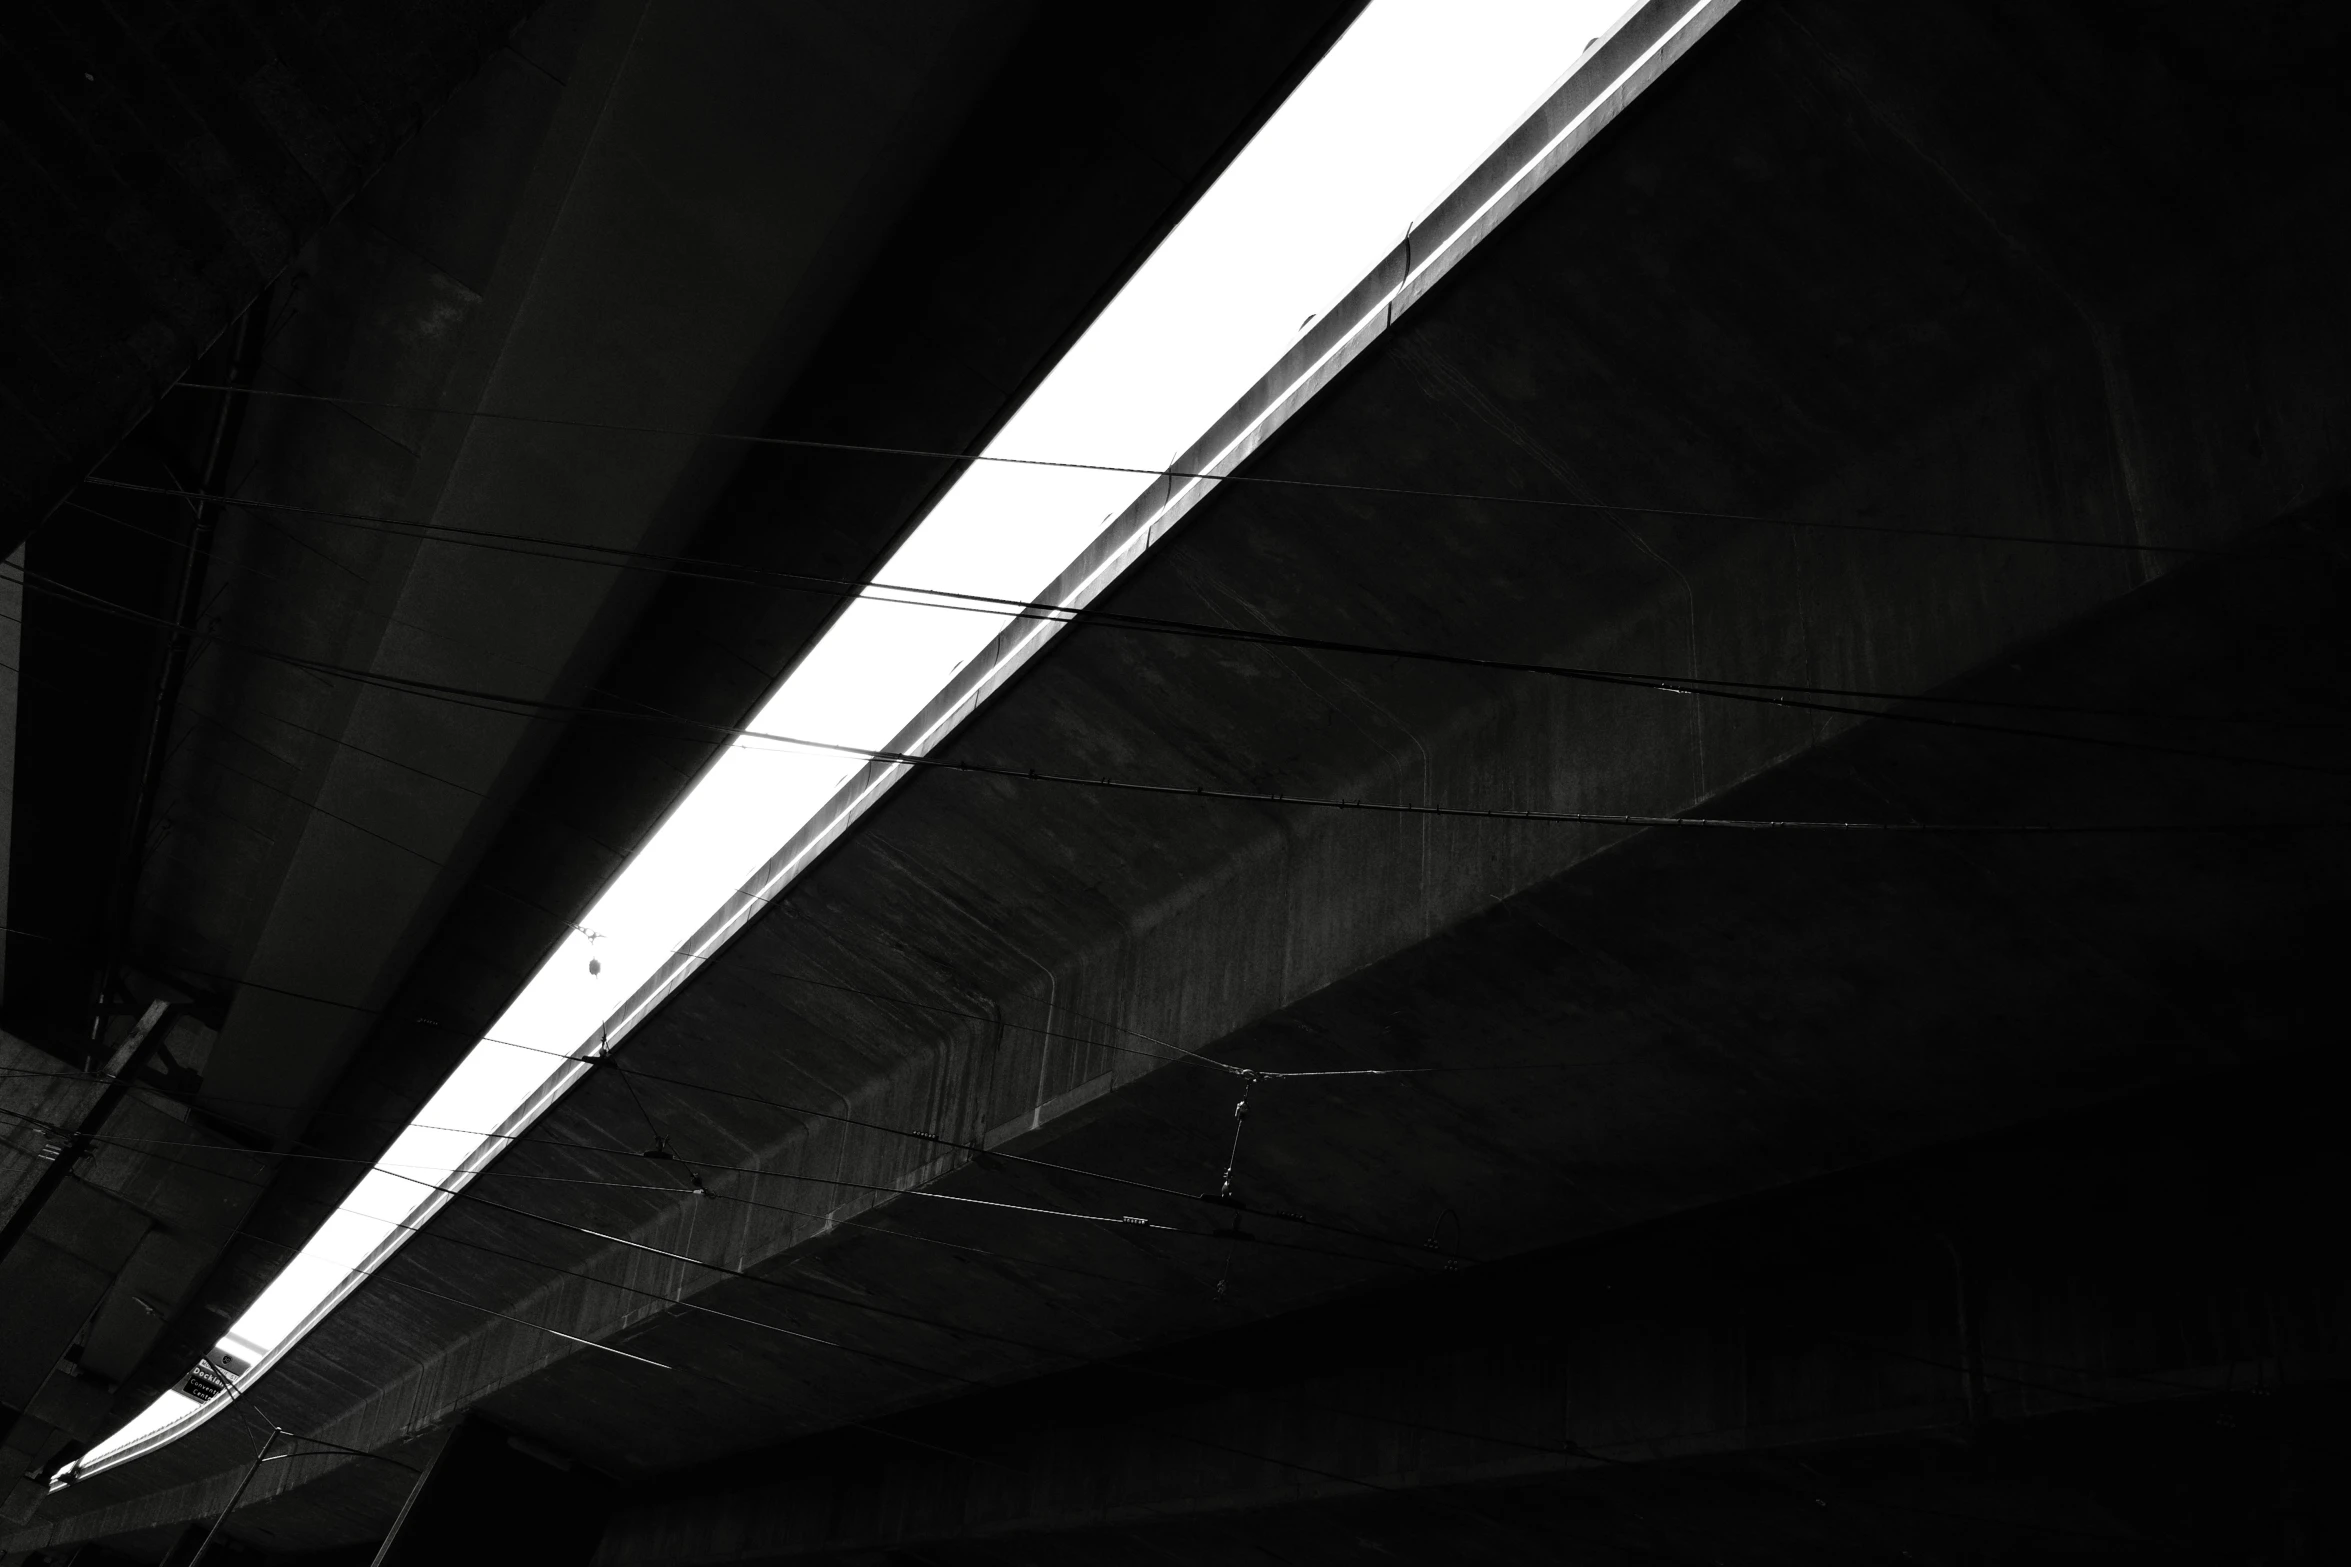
x,y
511,1139
883,756
542,1140
464,1195
1227,794
978,1154
695,568
1076,1359
674,1304
144,1147
1175,1054
1570,1449
529,708
1050,1352
442,1237
697,1262
540,1327
598,1232
1406,492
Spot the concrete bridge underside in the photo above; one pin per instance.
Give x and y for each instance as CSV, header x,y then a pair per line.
x,y
1990,356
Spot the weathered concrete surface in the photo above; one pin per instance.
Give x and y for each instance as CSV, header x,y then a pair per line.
x,y
636,204
1724,1387
690,217
1093,135
1872,303
630,207
83,1293
1702,1038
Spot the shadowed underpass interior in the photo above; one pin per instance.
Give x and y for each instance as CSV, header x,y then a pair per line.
x,y
1696,922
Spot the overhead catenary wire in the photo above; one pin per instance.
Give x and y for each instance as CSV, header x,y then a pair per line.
x,y
1523,815
551,1142
1167,1053
1385,805
695,568
1566,1449
668,1300
239,1397
144,1148
1114,1221
1175,1053
528,708
2019,1380
807,1111
1411,1250
1277,1460
885,756
1867,1344
559,1223
787,1286
536,1327
1269,637
976,1149
362,828
235,1390
1337,486
1411,1260
535,1137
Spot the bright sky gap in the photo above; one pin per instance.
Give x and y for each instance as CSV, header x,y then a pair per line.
x,y
1408,101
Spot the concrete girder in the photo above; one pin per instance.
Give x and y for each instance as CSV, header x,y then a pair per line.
x,y
1091,138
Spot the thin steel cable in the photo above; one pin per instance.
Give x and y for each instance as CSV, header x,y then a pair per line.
x,y
1565,1449
1119,1222
1408,492
1315,1074
536,1327
1049,1351
694,568
544,710
1123,1223
532,709
1176,1053
787,1286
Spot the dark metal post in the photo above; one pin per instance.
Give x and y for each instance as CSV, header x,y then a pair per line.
x,y
77,1141
238,1494
128,863
130,859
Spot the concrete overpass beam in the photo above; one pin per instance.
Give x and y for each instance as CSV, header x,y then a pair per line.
x,y
1800,1374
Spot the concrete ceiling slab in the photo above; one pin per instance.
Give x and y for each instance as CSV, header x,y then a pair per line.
x,y
1772,375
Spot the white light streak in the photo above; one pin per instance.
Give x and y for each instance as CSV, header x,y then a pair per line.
x,y
1405,104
